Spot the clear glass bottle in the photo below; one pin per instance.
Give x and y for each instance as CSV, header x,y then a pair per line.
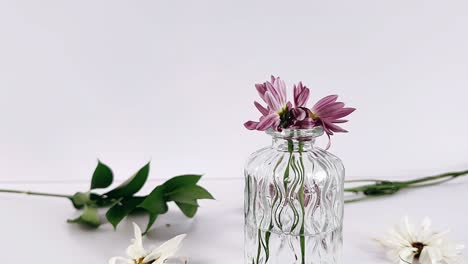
x,y
293,202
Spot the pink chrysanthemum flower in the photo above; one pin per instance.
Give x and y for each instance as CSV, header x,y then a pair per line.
x,y
327,112
281,114
276,114
300,113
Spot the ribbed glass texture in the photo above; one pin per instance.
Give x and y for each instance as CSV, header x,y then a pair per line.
x,y
293,202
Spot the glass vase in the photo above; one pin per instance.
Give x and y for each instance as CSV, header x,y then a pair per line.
x,y
293,201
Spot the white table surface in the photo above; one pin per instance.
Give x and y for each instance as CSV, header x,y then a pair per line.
x,y
34,229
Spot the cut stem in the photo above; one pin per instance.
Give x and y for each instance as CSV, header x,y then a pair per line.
x,y
35,193
383,187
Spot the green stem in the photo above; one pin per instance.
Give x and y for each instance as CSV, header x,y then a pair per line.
x,y
383,187
429,184
259,245
450,175
301,201
364,180
35,193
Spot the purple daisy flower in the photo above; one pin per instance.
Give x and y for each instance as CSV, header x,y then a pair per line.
x,y
274,95
327,112
300,113
280,114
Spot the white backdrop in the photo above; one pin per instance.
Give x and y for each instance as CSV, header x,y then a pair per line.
x,y
173,81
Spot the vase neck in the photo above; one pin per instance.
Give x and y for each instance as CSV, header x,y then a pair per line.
x,y
293,144
295,140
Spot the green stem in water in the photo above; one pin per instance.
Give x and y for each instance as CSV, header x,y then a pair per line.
x,y
36,193
301,201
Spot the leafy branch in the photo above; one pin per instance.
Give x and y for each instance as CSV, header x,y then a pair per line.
x,y
380,188
123,201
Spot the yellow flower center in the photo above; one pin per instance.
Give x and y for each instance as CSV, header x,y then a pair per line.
x,y
140,261
314,116
283,110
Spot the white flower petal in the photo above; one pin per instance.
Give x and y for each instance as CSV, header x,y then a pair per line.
x,y
406,255
425,231
168,249
138,238
136,250
120,260
436,250
408,230
452,253
430,255
400,238
426,223
176,260
436,238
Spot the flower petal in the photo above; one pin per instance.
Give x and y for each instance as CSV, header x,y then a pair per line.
x,y
430,255
136,250
299,114
281,87
137,232
406,255
176,260
261,89
330,109
301,95
425,233
272,101
307,123
408,230
337,113
303,98
251,125
339,121
332,127
120,260
274,94
262,109
267,121
323,102
296,92
452,253
166,250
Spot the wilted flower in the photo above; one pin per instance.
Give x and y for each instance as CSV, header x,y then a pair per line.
x,y
407,245
277,111
138,255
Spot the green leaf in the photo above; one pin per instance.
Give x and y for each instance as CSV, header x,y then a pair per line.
x,y
151,220
80,199
100,201
154,204
102,176
89,217
120,210
132,185
189,210
181,180
186,194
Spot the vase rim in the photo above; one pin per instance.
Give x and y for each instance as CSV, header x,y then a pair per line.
x,y
292,133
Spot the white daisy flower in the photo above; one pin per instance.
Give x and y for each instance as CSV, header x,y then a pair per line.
x,y
406,244
138,255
